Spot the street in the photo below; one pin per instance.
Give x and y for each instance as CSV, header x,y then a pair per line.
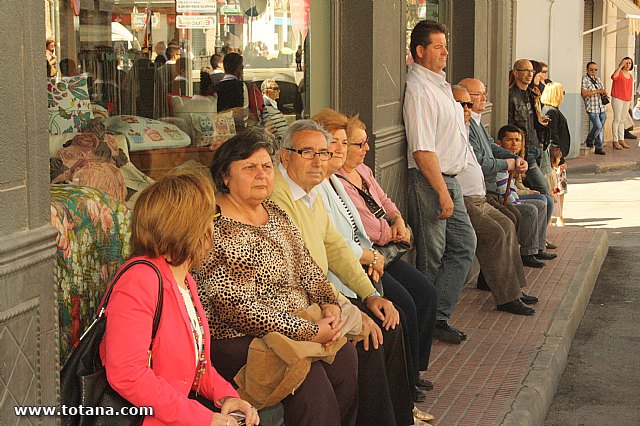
x,y
601,382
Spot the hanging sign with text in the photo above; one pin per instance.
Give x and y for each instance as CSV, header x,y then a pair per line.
x,y
196,6
191,22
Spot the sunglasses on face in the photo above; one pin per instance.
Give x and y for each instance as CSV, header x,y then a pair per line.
x,y
466,104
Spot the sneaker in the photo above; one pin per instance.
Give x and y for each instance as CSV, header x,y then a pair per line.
x,y
629,135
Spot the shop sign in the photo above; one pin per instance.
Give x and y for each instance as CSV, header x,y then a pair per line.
x,y
76,6
138,21
231,19
231,9
196,6
191,22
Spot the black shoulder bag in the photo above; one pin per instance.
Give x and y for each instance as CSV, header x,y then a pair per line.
x,y
604,98
392,251
83,379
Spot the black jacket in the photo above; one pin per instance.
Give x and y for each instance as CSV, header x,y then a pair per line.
x,y
230,94
558,129
522,113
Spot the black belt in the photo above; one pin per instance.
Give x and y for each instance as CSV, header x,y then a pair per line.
x,y
449,176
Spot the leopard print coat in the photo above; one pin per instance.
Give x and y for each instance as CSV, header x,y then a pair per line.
x,y
255,277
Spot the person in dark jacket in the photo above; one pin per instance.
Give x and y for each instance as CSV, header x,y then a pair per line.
x,y
552,97
522,114
230,89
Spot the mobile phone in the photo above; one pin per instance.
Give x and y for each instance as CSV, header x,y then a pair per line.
x,y
239,417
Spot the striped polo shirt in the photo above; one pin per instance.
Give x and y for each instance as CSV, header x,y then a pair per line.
x,y
433,120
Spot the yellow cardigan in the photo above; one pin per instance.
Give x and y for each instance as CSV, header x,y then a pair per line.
x,y
327,246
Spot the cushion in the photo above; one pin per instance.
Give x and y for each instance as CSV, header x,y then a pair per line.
x,y
68,105
212,131
145,133
183,106
57,141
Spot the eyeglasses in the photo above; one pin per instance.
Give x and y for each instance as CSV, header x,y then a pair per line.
x,y
527,71
360,144
309,154
274,88
593,69
479,94
466,104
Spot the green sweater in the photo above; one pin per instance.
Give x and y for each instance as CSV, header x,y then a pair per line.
x,y
327,246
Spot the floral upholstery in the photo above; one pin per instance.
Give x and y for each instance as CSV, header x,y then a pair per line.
x,y
69,105
92,242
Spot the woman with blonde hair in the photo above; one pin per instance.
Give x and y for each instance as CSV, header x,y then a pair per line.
x,y
559,135
172,229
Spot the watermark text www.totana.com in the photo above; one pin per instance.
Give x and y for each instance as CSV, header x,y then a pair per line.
x,y
80,410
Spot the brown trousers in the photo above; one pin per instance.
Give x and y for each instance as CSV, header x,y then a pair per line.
x,y
497,250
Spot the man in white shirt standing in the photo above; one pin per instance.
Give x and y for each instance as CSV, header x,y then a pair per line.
x,y
434,125
498,250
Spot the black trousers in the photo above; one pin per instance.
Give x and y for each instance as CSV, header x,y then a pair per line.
x,y
327,396
410,290
385,390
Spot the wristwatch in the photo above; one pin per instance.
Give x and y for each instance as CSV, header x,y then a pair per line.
x,y
375,293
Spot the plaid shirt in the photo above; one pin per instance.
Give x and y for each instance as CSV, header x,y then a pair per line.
x,y
592,103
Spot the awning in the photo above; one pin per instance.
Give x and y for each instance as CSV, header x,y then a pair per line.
x,y
631,13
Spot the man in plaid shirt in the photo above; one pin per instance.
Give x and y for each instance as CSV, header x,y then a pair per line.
x,y
592,89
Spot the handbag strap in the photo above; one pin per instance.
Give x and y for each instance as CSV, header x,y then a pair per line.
x,y
372,205
156,315
595,83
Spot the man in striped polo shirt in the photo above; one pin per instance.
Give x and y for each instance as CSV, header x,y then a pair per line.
x,y
436,151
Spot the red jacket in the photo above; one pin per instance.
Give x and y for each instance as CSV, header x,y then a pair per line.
x,y
124,348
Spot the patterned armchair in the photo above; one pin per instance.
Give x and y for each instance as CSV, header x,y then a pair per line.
x,y
92,242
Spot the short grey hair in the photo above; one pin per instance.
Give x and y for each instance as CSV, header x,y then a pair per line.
x,y
459,87
265,84
302,126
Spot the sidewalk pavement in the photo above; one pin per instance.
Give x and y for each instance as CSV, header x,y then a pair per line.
x,y
507,371
614,160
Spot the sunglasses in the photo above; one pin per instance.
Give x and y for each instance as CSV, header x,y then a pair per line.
x,y
274,88
466,104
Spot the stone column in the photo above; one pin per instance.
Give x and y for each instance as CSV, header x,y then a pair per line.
x,y
28,305
369,79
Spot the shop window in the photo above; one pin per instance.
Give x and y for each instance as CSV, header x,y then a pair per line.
x,y
122,47
418,10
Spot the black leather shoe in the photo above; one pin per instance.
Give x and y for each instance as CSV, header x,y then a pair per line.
x,y
629,135
600,151
516,307
482,283
545,256
530,261
460,332
528,300
419,395
444,332
424,384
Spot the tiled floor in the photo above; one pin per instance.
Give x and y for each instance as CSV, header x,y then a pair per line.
x,y
476,381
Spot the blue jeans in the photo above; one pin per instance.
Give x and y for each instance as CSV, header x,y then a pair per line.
x,y
596,135
548,198
534,178
444,248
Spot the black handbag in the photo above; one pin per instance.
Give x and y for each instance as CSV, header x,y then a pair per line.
x,y
392,251
83,379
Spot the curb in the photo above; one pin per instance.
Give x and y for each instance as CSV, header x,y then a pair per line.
x,y
603,167
532,402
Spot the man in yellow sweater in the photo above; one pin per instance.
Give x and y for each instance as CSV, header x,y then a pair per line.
x,y
303,165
